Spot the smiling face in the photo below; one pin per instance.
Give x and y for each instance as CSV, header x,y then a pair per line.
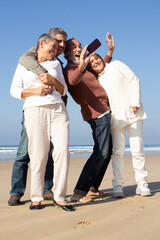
x,y
73,52
47,51
61,43
96,64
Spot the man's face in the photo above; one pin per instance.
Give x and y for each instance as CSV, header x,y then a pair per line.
x,y
61,43
74,52
49,50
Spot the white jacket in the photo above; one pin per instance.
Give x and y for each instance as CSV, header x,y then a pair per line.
x,y
123,90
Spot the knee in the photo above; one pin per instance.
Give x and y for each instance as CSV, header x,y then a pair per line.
x,y
117,155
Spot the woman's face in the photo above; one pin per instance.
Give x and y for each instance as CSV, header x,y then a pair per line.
x,y
96,64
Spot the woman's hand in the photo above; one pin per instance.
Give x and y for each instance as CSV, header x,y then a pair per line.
x,y
40,91
110,41
44,90
46,78
135,109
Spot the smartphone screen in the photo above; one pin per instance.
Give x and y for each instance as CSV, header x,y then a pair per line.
x,y
93,46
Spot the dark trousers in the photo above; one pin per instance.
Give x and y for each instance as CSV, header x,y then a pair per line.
x,y
95,167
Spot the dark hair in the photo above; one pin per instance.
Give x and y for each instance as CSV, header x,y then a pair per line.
x,y
67,44
89,65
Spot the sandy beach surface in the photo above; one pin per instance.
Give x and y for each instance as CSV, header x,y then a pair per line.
x,y
130,218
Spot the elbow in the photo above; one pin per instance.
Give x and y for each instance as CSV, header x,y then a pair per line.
x,y
73,83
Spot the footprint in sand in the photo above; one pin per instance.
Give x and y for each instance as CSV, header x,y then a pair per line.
x,y
144,207
84,224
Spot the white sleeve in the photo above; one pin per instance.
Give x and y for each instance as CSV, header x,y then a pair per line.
x,y
17,83
134,84
59,76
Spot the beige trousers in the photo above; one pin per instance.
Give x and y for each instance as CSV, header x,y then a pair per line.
x,y
44,124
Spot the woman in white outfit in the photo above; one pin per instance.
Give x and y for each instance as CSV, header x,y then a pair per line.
x,y
123,89
46,119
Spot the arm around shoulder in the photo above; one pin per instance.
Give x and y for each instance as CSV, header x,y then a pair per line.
x,y
29,61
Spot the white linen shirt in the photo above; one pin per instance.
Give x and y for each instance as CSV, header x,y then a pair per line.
x,y
123,90
24,79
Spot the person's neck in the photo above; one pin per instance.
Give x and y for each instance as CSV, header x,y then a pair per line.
x,y
70,63
40,57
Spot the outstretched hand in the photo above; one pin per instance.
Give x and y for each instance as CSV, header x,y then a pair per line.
x,y
110,41
84,59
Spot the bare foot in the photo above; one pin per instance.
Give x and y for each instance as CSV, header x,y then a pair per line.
x,y
76,197
97,193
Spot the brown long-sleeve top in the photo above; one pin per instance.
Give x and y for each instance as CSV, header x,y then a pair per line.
x,y
87,91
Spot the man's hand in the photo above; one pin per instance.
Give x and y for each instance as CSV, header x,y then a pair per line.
x,y
84,59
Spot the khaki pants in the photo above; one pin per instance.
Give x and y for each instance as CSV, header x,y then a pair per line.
x,y
44,124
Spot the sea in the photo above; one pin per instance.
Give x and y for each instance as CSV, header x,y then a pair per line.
x,y
8,152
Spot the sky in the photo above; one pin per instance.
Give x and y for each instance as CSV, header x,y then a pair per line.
x,y
135,26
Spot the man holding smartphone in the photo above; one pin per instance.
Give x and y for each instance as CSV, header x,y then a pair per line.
x,y
90,95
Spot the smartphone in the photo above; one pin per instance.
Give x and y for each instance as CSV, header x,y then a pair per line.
x,y
93,46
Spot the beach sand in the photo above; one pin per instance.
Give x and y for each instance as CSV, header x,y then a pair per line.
x,y
130,218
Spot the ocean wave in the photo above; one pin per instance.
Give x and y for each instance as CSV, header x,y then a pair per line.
x,y
9,152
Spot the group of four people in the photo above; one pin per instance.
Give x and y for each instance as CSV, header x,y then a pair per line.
x,y
39,81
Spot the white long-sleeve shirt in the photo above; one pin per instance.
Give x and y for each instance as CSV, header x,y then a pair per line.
x,y
123,90
24,79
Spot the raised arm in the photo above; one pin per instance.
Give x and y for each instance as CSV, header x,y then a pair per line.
x,y
111,46
74,76
29,61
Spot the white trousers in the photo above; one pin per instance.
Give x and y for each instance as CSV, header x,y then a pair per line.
x,y
135,134
44,124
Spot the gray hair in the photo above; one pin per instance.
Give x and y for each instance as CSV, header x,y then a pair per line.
x,y
46,38
53,31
